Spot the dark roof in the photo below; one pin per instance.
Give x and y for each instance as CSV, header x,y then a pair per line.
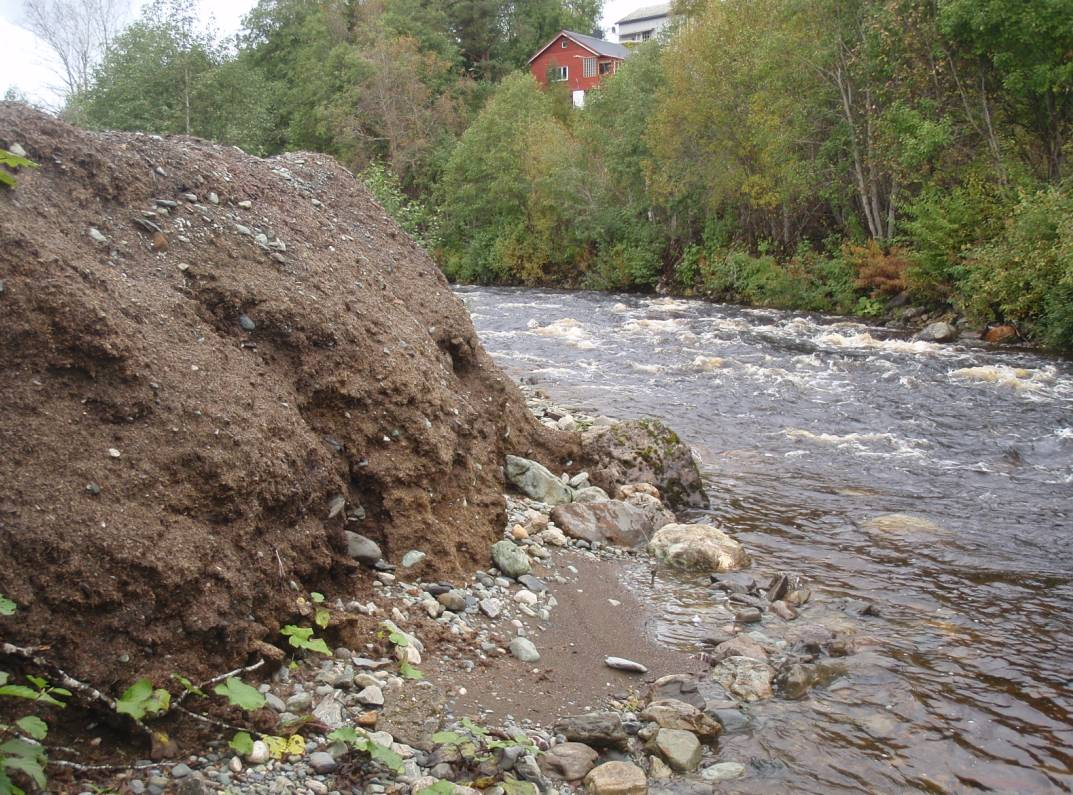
x,y
598,46
648,12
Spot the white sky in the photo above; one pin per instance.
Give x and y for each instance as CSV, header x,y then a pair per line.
x,y
27,64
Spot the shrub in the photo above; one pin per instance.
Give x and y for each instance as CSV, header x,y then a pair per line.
x,y
881,273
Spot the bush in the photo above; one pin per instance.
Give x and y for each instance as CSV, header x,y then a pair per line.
x,y
881,273
1024,274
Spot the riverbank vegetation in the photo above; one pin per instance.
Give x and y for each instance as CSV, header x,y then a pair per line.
x,y
830,155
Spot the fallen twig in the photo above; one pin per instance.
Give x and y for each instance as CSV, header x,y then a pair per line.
x,y
66,680
220,678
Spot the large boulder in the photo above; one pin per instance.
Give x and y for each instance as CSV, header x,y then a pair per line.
x,y
644,451
536,480
611,522
697,546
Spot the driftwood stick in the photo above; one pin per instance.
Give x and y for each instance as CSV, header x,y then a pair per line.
x,y
213,721
220,678
92,768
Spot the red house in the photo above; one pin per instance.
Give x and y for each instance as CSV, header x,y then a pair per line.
x,y
579,61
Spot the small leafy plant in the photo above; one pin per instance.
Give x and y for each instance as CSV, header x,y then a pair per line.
x,y
321,616
142,701
239,694
21,750
13,162
7,607
302,638
360,740
399,639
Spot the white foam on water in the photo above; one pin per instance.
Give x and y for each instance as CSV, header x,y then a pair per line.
x,y
620,308
1018,379
647,325
862,442
570,331
647,368
1064,433
708,363
669,305
865,341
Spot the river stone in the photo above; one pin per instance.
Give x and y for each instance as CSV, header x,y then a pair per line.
x,y
532,583
568,761
591,494
322,762
362,549
524,650
795,680
902,524
680,687
811,638
611,522
454,600
537,481
937,332
746,678
644,451
739,646
673,714
680,748
697,546
329,710
723,771
616,778
510,558
622,664
598,729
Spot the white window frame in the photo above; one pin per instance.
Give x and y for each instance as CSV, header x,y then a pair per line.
x,y
563,44
589,67
560,74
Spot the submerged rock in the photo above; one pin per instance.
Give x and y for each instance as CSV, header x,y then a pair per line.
x,y
697,546
537,481
937,332
746,678
673,714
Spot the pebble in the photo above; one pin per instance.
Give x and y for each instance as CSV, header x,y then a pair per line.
x,y
180,771
524,650
247,323
323,762
259,754
245,204
623,664
372,696
412,558
525,597
723,771
97,235
749,615
17,150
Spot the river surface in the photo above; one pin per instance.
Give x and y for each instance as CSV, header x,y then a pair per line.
x,y
808,429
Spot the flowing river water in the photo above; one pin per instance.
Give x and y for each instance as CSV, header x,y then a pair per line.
x,y
808,429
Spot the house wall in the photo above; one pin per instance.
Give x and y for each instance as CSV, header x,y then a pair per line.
x,y
631,31
571,57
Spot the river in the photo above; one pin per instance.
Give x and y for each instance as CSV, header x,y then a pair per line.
x,y
809,428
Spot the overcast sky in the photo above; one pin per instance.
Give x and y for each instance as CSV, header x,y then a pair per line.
x,y
27,64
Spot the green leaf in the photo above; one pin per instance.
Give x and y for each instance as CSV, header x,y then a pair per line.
x,y
33,726
7,607
449,738
37,681
4,676
316,597
21,748
187,685
297,636
240,694
399,639
345,734
473,728
141,700
12,161
242,744
322,617
409,672
31,767
385,756
7,787
21,691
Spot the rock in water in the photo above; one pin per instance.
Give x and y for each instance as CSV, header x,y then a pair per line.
x,y
937,332
644,451
623,664
746,678
680,748
697,546
673,714
537,481
616,778
723,771
510,558
524,650
610,522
